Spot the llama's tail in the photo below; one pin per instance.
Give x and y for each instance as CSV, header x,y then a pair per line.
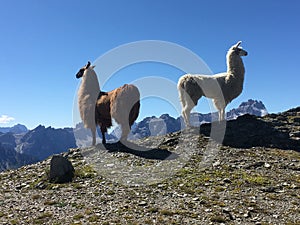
x,y
125,104
189,89
181,86
134,113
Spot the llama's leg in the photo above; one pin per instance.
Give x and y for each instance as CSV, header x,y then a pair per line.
x,y
221,114
219,105
182,97
186,112
125,132
103,131
183,104
94,135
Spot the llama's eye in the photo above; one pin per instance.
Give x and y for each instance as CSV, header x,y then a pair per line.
x,y
237,50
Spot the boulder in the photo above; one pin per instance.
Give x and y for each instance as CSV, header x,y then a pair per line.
x,y
61,170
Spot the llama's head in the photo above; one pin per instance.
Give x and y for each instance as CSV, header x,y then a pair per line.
x,y
238,50
84,69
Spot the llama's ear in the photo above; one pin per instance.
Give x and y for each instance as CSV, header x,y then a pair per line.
x,y
238,44
93,66
88,65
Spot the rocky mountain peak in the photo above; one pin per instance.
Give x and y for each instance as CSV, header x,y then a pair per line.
x,y
252,107
16,129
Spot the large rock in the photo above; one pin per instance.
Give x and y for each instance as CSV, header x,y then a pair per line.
x,y
249,131
61,170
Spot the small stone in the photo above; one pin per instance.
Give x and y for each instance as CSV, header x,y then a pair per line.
x,y
267,165
297,120
110,165
227,180
41,185
226,210
217,163
268,189
295,134
293,186
142,203
22,209
250,209
18,187
247,215
285,184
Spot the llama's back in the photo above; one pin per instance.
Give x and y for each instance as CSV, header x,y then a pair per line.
x,y
125,104
189,89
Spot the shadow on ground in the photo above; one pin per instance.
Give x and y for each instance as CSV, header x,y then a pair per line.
x,y
250,131
140,151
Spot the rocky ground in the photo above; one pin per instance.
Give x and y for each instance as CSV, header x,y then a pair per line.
x,y
181,178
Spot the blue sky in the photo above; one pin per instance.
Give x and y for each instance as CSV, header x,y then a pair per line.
x,y
44,43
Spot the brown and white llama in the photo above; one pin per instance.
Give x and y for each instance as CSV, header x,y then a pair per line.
x,y
98,108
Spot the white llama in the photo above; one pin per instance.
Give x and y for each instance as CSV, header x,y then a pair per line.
x,y
222,88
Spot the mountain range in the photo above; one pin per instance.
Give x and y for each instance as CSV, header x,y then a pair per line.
x,y
153,126
18,149
20,146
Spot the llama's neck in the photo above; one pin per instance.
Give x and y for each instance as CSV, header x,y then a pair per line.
x,y
235,66
90,84
235,76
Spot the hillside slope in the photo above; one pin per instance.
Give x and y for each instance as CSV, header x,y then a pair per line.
x,y
180,178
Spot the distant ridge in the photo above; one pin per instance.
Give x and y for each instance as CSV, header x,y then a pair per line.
x,y
16,129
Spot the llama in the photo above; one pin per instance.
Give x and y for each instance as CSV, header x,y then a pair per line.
x,y
222,88
98,108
